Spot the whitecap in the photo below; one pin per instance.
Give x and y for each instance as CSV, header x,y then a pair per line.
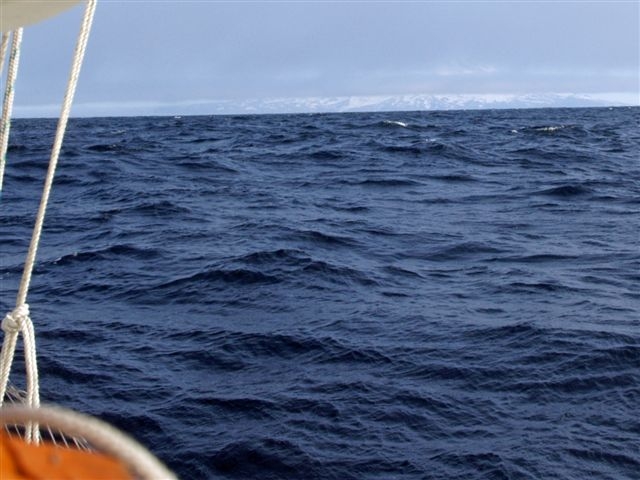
x,y
395,122
549,129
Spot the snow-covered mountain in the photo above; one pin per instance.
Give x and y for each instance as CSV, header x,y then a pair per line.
x,y
397,103
377,103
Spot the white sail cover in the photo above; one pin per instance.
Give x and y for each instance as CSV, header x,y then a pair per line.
x,y
19,13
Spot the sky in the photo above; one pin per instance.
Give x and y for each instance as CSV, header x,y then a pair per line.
x,y
147,56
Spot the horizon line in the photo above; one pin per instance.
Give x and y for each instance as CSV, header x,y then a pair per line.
x,y
328,112
336,104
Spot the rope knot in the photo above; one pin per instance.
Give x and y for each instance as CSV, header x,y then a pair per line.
x,y
14,320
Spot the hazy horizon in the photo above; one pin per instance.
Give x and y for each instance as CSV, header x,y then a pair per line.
x,y
246,107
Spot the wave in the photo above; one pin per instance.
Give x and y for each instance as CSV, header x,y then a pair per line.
x,y
266,458
565,191
537,258
388,182
17,148
399,271
455,178
395,123
322,238
157,208
325,154
104,147
459,251
547,129
212,275
350,208
533,287
204,164
282,255
111,252
205,139
572,130
336,274
259,347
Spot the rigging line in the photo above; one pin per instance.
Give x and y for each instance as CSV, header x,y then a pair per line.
x,y
3,49
7,105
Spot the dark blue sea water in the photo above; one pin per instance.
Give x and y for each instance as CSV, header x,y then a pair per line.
x,y
428,295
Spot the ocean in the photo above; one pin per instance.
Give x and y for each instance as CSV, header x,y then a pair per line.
x,y
409,295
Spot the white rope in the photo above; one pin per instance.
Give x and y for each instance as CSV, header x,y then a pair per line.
x,y
11,325
3,49
7,104
19,321
16,322
99,434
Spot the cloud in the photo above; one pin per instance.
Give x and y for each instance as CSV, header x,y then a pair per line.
x,y
459,70
152,55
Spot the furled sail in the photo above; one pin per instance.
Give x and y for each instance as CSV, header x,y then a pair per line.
x,y
20,13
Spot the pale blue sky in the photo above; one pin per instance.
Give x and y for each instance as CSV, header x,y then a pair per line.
x,y
145,54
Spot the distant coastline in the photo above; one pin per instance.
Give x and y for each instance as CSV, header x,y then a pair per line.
x,y
336,104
